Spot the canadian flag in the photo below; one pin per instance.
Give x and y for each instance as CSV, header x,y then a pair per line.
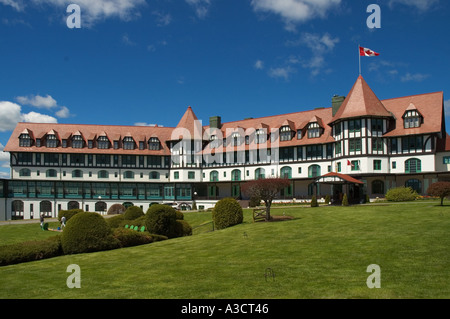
x,y
367,52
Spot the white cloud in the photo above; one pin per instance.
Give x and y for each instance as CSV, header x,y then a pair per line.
x,y
63,112
146,124
259,65
126,40
162,19
11,114
417,77
295,11
38,101
422,5
201,7
282,72
4,156
16,4
447,107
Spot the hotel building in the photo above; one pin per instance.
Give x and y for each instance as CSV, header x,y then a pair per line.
x,y
369,144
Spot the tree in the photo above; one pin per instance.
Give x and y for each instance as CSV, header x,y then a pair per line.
x,y
265,189
345,200
439,189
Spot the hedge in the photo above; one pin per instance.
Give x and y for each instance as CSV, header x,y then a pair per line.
x,y
30,251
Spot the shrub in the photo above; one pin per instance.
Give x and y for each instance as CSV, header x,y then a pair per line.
x,y
401,194
345,200
116,209
227,212
30,251
128,238
87,232
68,213
327,199
180,215
183,228
160,219
133,212
254,202
115,221
314,202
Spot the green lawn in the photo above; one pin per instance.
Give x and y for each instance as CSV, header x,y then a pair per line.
x,y
323,253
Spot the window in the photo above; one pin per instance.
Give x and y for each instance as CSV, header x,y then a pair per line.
x,y
103,142
260,173
314,151
339,167
412,119
413,165
313,130
377,144
394,165
377,187
51,159
377,126
154,175
103,160
285,133
25,159
236,175
77,141
299,134
412,143
355,165
191,175
77,159
236,139
354,145
394,145
128,175
51,173
77,173
446,159
129,160
354,126
176,175
103,174
128,143
286,154
338,148
415,184
214,176
337,129
154,144
52,141
377,165
116,145
24,172
261,136
314,171
24,140
286,172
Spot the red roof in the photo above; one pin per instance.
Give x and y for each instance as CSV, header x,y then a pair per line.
x,y
344,177
361,101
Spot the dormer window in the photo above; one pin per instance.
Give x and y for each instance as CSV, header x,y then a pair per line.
x,y
77,141
313,130
261,136
102,142
25,140
412,119
154,144
299,134
128,143
236,139
285,133
52,142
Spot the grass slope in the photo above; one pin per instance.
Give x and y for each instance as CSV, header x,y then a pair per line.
x,y
323,253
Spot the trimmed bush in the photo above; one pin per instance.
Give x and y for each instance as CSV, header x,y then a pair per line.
x,y
87,232
68,213
133,212
401,194
160,219
180,215
314,202
116,209
30,251
345,200
183,228
227,212
254,202
128,238
327,200
115,221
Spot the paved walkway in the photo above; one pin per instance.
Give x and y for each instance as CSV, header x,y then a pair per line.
x,y
26,221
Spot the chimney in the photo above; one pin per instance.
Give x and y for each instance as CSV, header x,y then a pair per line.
x,y
336,103
215,122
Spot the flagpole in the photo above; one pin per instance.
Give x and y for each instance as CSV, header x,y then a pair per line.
x,y
359,54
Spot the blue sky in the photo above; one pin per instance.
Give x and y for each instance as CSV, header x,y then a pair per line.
x,y
145,61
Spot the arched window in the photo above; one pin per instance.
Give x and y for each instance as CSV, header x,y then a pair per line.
x,y
73,205
154,175
260,173
377,187
413,165
45,207
286,172
103,174
51,173
415,184
128,175
214,176
17,207
314,171
24,172
77,173
236,175
100,207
